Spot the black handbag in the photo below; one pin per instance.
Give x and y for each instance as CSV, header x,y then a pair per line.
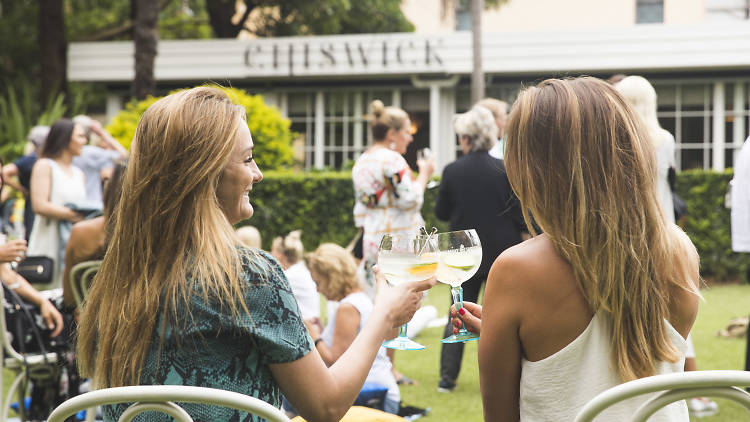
x,y
36,269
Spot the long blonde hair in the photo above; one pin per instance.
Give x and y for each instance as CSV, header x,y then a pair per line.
x,y
582,165
167,228
641,95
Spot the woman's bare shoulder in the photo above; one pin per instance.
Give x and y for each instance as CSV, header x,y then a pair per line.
x,y
533,265
87,236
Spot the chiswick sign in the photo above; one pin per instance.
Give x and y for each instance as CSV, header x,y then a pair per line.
x,y
345,55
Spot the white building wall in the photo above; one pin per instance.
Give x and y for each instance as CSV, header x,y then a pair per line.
x,y
429,18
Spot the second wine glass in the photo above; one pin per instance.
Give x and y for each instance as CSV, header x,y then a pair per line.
x,y
405,259
460,254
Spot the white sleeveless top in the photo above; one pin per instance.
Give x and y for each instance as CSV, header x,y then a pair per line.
x,y
380,372
45,234
557,387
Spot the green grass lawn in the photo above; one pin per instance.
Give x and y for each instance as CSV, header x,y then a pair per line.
x,y
464,403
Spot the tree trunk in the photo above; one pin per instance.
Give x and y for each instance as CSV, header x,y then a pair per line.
x,y
53,50
146,35
477,75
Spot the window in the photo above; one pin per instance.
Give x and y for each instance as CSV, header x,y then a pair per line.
x,y
463,15
727,10
649,11
687,111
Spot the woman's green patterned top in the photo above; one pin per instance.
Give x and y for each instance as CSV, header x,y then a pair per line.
x,y
216,350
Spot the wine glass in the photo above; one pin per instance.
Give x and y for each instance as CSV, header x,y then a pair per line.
x,y
426,154
405,259
459,257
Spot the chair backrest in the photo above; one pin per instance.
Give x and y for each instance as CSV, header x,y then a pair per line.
x,y
161,398
672,387
80,278
6,348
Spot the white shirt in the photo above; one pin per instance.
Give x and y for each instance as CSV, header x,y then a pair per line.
x,y
741,200
557,387
304,289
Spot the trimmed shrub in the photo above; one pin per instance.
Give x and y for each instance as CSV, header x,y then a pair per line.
x,y
271,134
708,224
320,204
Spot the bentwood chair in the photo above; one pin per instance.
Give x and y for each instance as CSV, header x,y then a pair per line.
x,y
162,398
36,365
81,276
671,388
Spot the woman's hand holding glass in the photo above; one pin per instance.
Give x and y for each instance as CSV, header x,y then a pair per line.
x,y
399,302
469,314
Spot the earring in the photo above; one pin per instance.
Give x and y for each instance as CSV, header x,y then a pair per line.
x,y
392,145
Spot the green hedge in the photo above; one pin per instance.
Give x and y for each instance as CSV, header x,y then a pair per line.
x,y
708,224
320,203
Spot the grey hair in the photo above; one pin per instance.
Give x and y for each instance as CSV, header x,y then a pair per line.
x,y
479,126
37,135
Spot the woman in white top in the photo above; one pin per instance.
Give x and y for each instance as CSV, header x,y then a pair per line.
x,y
335,272
55,182
608,292
642,97
288,251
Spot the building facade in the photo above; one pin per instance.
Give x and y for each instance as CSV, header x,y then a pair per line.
x,y
695,52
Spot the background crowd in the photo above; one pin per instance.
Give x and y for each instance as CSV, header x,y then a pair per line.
x,y
581,164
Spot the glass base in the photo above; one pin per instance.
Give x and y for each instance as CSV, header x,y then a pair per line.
x,y
402,343
460,337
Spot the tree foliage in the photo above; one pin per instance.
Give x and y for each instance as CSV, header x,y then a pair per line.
x,y
271,134
268,18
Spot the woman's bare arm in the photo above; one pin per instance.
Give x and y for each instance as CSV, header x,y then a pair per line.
x,y
347,323
320,393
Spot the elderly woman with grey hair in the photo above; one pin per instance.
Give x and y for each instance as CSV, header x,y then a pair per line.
x,y
475,194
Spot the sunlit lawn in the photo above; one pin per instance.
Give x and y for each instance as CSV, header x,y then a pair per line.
x,y
464,403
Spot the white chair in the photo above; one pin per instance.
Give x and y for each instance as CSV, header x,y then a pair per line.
x,y
80,278
161,398
672,387
37,365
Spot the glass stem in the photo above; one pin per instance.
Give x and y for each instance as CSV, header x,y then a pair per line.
x,y
402,331
458,299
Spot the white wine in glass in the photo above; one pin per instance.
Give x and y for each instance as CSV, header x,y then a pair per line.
x,y
459,257
406,259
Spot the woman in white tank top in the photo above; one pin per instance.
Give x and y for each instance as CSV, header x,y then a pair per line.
x,y
55,182
608,292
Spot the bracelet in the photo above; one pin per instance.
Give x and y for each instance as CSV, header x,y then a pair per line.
x,y
318,340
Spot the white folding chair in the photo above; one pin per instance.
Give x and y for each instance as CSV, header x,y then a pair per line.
x,y
161,398
672,387
36,364
80,277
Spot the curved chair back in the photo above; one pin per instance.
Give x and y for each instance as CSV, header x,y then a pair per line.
x,y
672,387
161,398
81,276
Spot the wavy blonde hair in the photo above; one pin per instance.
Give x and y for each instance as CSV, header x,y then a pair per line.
x,y
337,266
582,165
169,228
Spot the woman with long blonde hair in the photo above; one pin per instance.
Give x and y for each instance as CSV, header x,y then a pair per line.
x,y
608,292
178,300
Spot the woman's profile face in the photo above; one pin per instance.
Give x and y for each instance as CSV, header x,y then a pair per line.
x,y
237,178
401,138
77,140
